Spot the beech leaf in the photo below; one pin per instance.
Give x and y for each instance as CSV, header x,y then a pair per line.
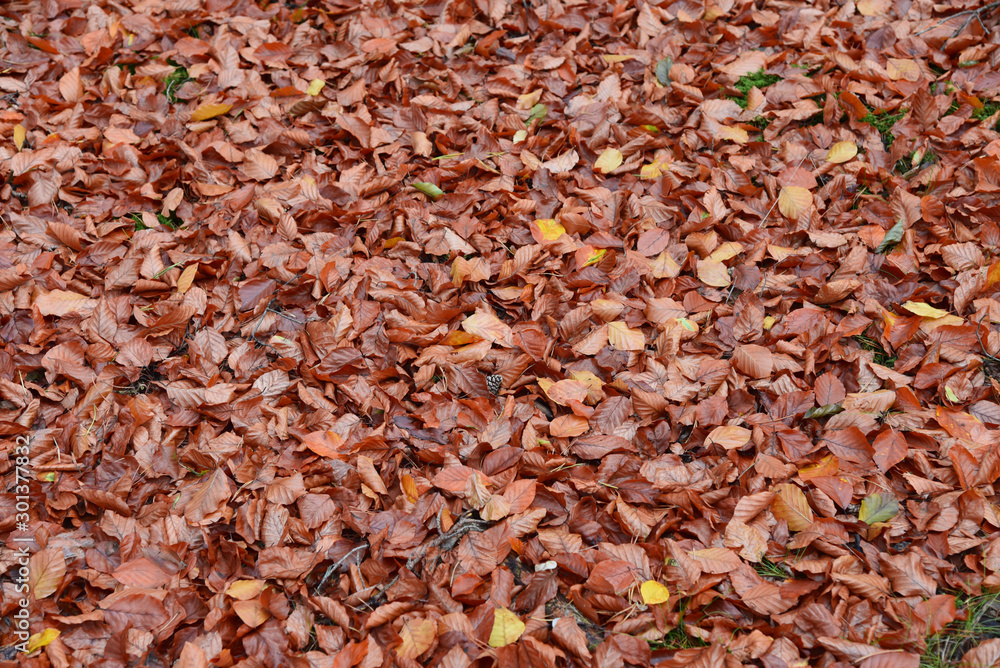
x,y
429,189
208,111
842,151
608,161
793,201
507,628
654,593
879,507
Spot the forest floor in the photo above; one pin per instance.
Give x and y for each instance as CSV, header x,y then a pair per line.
x,y
499,332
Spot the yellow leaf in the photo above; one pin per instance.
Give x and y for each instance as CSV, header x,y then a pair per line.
x,y
738,135
713,273
186,280
828,466
610,160
793,201
623,338
842,151
726,251
653,592
950,394
593,257
19,136
550,230
653,170
924,310
207,111
520,136
315,87
528,100
507,628
615,58
244,590
593,383
769,322
40,640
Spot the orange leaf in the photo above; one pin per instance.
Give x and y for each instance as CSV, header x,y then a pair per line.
x,y
324,443
790,504
569,425
793,201
546,230
730,437
251,612
244,590
62,303
716,560
208,110
46,570
186,279
487,326
417,636
409,486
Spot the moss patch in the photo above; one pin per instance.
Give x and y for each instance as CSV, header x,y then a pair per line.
x,y
759,79
883,123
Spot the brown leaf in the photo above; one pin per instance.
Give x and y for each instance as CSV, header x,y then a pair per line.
x,y
755,361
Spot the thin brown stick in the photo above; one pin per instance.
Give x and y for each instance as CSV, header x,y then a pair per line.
x,y
971,13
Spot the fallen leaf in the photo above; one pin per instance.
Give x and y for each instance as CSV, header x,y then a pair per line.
x,y
842,151
507,628
208,111
654,593
790,504
417,636
793,201
610,160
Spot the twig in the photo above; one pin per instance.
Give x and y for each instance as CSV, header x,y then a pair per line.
x,y
985,352
333,569
446,541
972,14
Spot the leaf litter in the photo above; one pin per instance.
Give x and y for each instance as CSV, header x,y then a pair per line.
x,y
514,333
